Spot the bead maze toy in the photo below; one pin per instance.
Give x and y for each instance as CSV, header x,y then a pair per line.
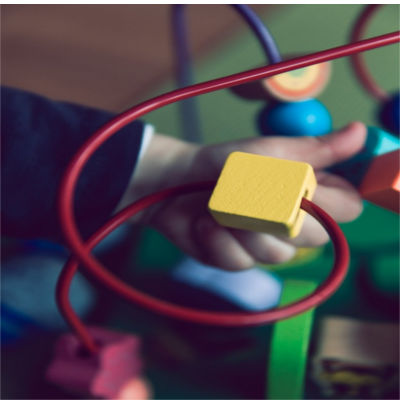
x,y
234,203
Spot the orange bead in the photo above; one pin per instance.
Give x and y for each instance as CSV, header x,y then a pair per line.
x,y
381,183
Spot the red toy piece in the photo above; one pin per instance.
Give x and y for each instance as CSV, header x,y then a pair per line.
x,y
106,374
381,183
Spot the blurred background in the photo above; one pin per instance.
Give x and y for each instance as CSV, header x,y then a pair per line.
x,y
115,56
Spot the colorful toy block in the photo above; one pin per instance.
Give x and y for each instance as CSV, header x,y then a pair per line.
x,y
381,183
107,374
378,142
262,194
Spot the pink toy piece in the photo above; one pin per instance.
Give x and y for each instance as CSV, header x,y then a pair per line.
x,y
137,389
103,374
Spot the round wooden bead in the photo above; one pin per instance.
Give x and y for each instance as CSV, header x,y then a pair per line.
x,y
305,118
389,114
299,84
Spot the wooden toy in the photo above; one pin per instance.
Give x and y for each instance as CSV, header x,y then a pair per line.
x,y
381,183
378,142
302,118
389,114
107,374
287,358
356,359
299,84
262,194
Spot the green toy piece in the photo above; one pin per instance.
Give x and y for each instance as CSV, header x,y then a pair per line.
x,y
289,346
384,274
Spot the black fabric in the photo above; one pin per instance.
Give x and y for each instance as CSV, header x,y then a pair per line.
x,y
38,139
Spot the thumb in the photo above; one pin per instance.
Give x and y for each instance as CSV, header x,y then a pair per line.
x,y
322,151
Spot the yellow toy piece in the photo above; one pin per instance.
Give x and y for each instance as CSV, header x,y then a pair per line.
x,y
262,194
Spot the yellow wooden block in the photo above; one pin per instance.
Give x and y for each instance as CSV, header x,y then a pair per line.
x,y
262,194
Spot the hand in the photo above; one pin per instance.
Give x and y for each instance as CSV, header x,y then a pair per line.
x,y
186,221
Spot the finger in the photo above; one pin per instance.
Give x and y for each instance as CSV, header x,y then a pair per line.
x,y
312,234
218,246
320,152
264,248
175,219
188,224
338,197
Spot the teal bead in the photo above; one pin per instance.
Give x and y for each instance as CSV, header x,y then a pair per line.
x,y
378,142
302,118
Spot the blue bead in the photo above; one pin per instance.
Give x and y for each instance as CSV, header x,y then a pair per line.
x,y
302,118
389,114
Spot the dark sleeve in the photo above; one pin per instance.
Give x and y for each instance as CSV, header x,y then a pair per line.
x,y
38,138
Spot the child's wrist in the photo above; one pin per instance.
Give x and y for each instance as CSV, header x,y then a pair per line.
x,y
164,164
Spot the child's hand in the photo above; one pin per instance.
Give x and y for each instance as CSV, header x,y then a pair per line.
x,y
186,222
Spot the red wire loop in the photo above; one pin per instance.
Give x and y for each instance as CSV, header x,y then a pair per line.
x,y
81,251
357,60
323,292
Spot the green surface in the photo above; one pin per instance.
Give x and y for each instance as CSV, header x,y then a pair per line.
x,y
289,346
384,273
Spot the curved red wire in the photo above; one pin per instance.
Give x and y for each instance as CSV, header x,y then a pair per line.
x,y
324,291
357,60
81,250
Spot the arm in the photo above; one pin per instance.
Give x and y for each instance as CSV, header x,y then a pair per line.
x,y
39,137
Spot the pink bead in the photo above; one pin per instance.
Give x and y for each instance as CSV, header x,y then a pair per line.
x,y
100,375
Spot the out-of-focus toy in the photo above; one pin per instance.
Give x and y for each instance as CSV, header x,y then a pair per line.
x,y
287,360
308,117
390,113
114,372
356,359
300,84
381,183
389,107
375,170
294,111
